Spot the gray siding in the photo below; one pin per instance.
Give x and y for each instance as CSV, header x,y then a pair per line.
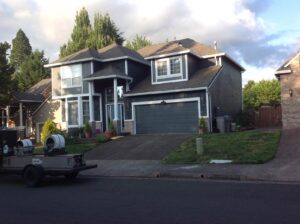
x,y
167,118
56,83
137,71
86,71
110,68
226,91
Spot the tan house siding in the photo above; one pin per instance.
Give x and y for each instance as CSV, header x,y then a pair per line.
x,y
291,104
56,83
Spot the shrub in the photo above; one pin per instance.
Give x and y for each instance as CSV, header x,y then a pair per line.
x,y
87,127
49,128
101,139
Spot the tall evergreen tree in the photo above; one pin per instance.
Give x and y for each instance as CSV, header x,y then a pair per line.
x,y
80,35
21,48
32,70
103,33
138,42
5,74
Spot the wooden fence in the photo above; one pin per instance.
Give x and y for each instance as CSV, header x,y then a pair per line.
x,y
268,116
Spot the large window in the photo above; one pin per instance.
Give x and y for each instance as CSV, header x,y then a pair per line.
x,y
73,112
169,67
71,76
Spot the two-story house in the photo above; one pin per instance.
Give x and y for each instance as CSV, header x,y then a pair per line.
x,y
163,88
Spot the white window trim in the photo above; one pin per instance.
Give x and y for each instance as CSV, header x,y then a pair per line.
x,y
192,99
169,75
72,86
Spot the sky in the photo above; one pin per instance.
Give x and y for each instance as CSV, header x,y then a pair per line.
x,y
258,34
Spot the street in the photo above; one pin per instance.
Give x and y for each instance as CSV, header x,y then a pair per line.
x,y
121,200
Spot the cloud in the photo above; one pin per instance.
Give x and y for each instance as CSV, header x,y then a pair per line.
x,y
237,25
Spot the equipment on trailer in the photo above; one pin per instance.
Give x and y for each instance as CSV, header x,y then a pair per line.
x,y
17,157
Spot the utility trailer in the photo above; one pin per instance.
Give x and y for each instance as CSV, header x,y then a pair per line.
x,y
21,160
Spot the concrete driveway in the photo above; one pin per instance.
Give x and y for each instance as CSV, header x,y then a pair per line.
x,y
137,147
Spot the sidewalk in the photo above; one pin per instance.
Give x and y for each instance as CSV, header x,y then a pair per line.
x,y
285,167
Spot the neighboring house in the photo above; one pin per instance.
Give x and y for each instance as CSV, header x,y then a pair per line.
x,y
24,112
163,88
289,77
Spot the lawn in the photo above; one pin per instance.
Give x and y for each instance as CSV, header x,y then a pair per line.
x,y
73,148
256,146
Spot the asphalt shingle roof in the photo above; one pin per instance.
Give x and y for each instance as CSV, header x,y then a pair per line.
x,y
178,46
110,52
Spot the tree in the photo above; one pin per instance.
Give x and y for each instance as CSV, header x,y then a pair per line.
x,y
5,74
138,42
265,92
49,128
32,70
80,34
103,33
21,48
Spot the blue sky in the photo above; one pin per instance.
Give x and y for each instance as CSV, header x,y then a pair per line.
x,y
259,34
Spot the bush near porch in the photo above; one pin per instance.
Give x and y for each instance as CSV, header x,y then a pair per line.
x,y
248,147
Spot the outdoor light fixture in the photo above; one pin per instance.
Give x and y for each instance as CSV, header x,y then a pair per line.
x,y
291,92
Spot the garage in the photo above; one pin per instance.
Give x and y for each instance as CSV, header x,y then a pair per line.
x,y
175,117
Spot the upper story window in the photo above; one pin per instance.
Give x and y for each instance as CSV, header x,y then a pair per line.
x,y
169,67
71,76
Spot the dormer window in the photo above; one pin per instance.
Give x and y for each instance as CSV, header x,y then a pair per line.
x,y
169,67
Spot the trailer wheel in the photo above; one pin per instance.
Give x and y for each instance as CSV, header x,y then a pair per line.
x,y
71,176
32,176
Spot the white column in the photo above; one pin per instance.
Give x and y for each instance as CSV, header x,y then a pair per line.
x,y
80,112
7,116
21,114
116,115
2,116
91,102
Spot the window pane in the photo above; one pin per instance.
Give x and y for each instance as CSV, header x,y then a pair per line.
x,y
175,65
66,72
76,70
85,112
73,113
66,82
76,81
109,95
63,111
162,68
96,108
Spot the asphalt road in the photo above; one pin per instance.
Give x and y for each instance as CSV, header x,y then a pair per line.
x,y
101,200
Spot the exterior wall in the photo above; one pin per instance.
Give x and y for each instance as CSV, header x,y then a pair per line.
x,y
291,104
137,71
226,91
110,68
56,82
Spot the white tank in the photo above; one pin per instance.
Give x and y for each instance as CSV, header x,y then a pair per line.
x,y
54,143
24,146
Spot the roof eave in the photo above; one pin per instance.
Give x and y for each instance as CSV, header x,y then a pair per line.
x,y
167,55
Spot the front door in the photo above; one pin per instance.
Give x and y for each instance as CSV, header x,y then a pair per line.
x,y
110,114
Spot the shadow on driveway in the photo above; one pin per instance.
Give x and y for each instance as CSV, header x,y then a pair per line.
x,y
137,147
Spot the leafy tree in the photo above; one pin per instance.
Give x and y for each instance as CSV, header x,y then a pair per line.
x,y
80,34
138,42
49,128
21,48
5,74
103,33
32,70
265,92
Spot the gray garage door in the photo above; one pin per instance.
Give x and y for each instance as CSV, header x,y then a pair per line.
x,y
167,118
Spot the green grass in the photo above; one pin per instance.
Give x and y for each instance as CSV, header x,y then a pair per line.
x,y
248,147
73,148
